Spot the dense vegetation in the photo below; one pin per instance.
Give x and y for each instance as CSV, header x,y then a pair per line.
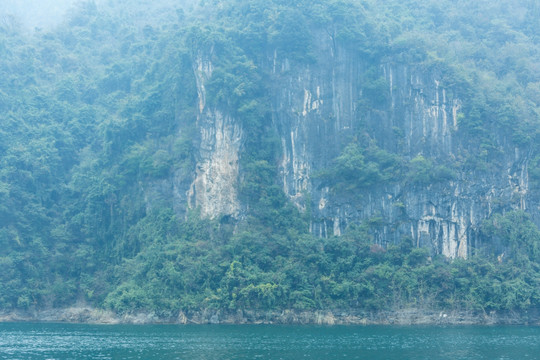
x,y
94,110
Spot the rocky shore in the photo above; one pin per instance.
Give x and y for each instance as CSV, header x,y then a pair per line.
x,y
89,315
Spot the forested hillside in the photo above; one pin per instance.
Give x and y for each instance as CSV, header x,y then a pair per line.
x,y
180,156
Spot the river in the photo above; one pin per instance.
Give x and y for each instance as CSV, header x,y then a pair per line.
x,y
46,341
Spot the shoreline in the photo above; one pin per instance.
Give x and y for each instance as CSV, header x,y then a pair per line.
x,y
411,316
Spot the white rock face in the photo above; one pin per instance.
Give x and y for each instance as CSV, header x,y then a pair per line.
x,y
203,72
214,190
431,116
452,235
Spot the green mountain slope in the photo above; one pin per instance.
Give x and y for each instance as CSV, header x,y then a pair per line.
x,y
269,155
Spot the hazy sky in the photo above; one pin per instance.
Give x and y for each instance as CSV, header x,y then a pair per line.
x,y
47,13
36,13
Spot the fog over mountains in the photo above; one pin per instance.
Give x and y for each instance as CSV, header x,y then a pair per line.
x,y
262,160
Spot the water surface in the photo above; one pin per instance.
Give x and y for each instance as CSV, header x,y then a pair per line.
x,y
151,342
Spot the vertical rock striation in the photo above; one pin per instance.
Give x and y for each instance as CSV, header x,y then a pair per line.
x,y
214,190
318,108
316,113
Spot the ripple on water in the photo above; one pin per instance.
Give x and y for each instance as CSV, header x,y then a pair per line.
x,y
67,341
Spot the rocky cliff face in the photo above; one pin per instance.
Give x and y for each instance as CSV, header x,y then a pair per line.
x,y
214,190
317,109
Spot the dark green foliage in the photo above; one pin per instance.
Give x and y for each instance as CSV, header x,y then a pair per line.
x,y
375,90
534,172
422,171
250,271
357,169
514,236
352,167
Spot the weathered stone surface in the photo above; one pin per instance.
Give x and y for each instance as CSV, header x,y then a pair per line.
x,y
214,190
409,316
316,112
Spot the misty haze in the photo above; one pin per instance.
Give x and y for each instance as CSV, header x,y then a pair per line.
x,y
324,162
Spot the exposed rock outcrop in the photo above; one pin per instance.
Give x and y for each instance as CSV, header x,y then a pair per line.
x,y
214,190
317,109
411,316
317,112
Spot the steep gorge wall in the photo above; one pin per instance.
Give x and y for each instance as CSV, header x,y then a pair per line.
x,y
214,189
317,113
317,110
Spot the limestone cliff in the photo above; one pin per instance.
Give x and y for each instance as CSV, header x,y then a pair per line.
x,y
316,111
317,108
214,190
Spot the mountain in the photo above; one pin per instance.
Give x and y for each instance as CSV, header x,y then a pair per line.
x,y
324,155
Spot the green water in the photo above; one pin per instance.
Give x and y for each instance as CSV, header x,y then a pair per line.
x,y
67,341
